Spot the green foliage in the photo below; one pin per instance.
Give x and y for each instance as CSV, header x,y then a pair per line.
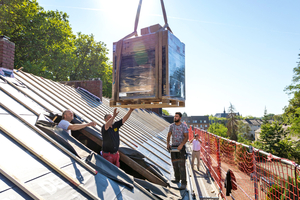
x,y
292,111
275,192
250,117
220,120
92,62
274,140
46,46
244,132
290,190
232,123
218,129
165,112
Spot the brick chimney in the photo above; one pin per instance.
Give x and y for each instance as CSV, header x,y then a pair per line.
x,y
7,53
93,86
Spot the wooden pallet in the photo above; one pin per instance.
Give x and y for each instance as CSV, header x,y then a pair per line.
x,y
147,103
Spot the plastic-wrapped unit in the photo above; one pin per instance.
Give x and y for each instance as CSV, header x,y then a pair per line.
x,y
149,68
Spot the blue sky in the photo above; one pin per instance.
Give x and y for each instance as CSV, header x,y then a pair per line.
x,y
237,51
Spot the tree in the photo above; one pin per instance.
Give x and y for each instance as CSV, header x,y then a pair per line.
x,y
45,45
218,129
92,62
232,124
43,39
244,131
274,140
221,120
165,112
291,112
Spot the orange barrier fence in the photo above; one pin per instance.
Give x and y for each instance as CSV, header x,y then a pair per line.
x,y
191,133
250,173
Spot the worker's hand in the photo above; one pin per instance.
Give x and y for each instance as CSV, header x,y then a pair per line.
x,y
168,146
92,124
115,113
131,109
180,147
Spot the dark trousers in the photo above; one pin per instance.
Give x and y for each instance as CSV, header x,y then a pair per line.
x,y
178,161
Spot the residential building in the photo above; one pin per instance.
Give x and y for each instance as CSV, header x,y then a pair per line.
x,y
201,122
254,125
285,127
224,114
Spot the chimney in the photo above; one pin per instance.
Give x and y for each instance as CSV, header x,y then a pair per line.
x,y
92,86
7,52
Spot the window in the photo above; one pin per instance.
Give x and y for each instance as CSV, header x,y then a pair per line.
x,y
194,121
205,125
200,121
200,125
204,121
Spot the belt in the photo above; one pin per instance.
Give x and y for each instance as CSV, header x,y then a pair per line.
x,y
109,152
196,151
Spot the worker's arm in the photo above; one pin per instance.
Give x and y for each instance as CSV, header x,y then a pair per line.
x,y
127,115
183,142
168,140
75,127
111,120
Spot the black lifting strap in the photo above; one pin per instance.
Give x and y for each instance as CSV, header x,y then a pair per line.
x,y
134,33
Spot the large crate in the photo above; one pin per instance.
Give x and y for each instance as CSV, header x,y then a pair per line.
x,y
149,71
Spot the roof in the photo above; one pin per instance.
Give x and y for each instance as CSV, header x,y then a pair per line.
x,y
253,122
196,118
54,164
219,115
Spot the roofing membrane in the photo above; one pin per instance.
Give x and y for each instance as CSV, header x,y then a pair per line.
x,y
24,98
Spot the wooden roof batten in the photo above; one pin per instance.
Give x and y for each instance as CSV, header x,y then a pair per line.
x,y
82,113
75,109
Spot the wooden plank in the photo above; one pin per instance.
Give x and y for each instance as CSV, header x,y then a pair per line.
x,y
167,64
19,184
79,110
128,135
154,104
46,136
49,86
156,68
141,170
160,46
119,60
73,181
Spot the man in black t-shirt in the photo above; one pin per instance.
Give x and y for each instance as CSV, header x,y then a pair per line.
x,y
111,138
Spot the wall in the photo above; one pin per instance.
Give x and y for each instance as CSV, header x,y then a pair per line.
x,y
93,86
7,53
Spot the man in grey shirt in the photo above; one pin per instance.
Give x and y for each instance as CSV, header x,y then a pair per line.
x,y
65,124
179,132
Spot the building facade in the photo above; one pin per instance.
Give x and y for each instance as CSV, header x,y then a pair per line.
x,y
201,122
224,114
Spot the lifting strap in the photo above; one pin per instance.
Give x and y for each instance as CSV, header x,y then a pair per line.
x,y
134,33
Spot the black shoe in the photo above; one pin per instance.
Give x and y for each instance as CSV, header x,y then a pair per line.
x,y
175,181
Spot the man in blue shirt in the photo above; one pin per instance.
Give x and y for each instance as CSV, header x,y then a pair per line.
x,y
111,138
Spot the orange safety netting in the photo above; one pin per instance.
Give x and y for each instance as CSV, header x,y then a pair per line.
x,y
191,133
257,175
